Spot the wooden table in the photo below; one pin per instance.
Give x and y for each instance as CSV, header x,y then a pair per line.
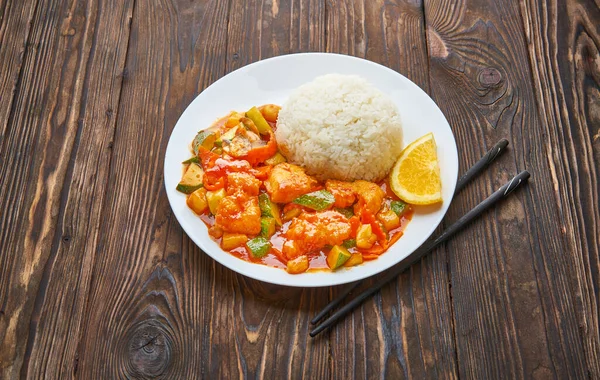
x,y
97,279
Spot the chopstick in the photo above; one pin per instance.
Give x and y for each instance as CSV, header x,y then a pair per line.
x,y
473,171
480,165
500,194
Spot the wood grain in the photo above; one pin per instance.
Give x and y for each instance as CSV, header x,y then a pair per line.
x,y
563,41
407,330
515,314
56,322
97,279
41,136
143,320
15,22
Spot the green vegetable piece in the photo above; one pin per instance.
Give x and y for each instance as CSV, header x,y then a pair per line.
x,y
258,247
191,180
214,198
337,256
348,212
205,139
277,158
269,208
385,231
355,259
192,160
259,120
267,227
349,243
399,207
317,200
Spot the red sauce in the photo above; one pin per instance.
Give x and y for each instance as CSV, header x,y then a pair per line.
x,y
220,166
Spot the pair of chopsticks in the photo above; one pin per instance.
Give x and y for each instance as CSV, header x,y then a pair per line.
x,y
426,248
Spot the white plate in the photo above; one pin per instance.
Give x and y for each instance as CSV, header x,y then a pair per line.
x,y
271,81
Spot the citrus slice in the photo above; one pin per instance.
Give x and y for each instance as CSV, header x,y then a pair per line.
x,y
415,177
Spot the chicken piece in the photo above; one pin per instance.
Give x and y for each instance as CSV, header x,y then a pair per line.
x,y
312,231
239,213
370,193
287,182
343,192
242,183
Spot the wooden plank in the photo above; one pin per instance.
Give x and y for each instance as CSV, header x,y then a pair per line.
x,y
36,160
563,41
15,21
407,330
61,300
514,306
261,29
150,299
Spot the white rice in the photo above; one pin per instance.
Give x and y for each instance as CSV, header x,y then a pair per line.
x,y
340,127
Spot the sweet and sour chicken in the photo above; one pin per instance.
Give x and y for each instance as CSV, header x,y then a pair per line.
x,y
265,210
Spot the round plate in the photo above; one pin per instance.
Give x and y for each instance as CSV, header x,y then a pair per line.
x,y
271,81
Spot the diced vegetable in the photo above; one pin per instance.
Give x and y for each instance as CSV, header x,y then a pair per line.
x,y
231,241
215,231
234,119
197,201
205,139
214,197
267,226
399,207
337,256
291,214
270,112
349,243
317,200
298,265
365,238
191,160
258,247
269,208
278,158
229,135
355,259
383,229
259,120
389,219
191,180
348,212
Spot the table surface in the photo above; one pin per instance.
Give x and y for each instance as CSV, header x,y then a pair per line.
x,y
97,279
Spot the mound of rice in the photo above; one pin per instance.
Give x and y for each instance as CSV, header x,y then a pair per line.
x,y
340,127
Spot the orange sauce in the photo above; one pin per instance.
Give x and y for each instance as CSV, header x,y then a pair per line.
x,y
317,259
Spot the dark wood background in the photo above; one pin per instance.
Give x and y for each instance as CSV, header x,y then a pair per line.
x,y
97,279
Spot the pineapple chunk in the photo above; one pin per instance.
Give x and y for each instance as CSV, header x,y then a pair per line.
x,y
365,238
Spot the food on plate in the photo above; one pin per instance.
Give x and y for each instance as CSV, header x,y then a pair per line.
x,y
415,177
340,127
318,195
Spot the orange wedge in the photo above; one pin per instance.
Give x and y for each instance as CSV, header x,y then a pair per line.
x,y
415,177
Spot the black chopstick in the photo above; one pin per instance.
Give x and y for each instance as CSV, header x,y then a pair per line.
x,y
473,172
480,165
500,194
